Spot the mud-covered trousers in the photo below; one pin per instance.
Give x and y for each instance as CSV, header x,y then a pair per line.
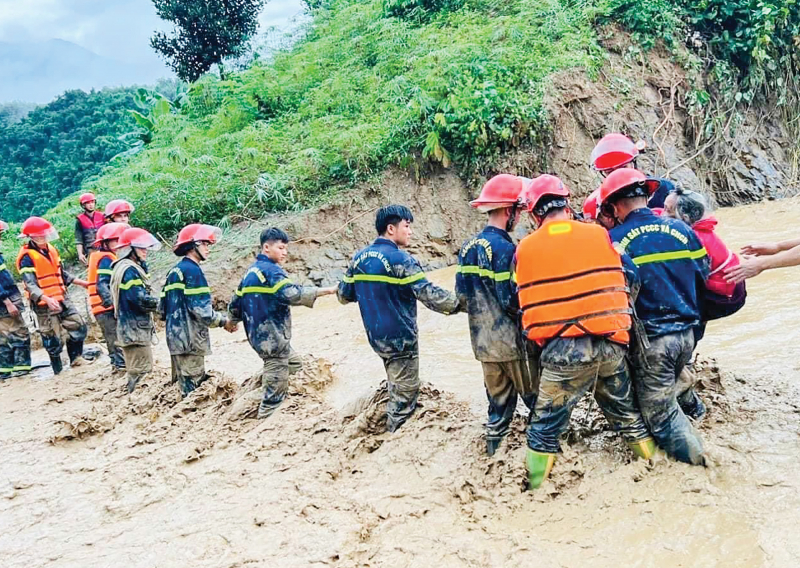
x,y
108,323
402,372
561,387
504,382
656,391
138,363
15,346
52,326
275,380
189,371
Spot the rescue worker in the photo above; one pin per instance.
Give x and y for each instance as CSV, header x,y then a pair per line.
x,y
101,301
46,282
87,224
593,213
387,282
615,151
118,211
673,267
134,303
574,292
263,301
15,339
186,308
483,286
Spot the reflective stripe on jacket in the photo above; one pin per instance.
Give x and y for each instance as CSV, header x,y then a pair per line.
x,y
185,306
572,284
387,282
95,301
262,301
483,284
673,267
47,270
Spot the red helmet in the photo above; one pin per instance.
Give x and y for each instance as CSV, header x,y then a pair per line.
x,y
38,227
196,233
3,226
109,232
613,151
590,205
86,198
544,185
627,179
137,238
503,190
118,206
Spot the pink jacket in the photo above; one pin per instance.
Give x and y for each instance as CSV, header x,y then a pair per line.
x,y
720,255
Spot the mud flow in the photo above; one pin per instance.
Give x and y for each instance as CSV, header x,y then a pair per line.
x,y
91,477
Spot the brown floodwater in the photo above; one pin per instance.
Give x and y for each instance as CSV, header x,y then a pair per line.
x,y
154,482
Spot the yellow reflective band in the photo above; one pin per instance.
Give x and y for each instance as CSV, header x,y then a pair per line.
x,y
187,291
667,256
130,284
23,368
106,271
483,272
27,269
384,279
263,289
3,266
559,228
5,370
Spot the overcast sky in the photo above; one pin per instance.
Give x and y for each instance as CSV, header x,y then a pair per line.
x,y
117,29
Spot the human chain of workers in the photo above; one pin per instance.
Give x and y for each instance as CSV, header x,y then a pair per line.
x,y
612,300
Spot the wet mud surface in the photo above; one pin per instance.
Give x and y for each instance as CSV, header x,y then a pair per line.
x,y
91,477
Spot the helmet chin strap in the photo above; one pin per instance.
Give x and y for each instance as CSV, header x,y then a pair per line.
x,y
511,217
200,254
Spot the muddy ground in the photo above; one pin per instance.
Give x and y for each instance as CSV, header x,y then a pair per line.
x,y
92,477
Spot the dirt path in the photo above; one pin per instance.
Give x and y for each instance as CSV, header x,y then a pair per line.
x,y
153,481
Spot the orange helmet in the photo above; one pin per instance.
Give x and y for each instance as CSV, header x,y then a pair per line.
x,y
613,151
118,206
590,205
627,182
38,227
86,198
134,238
545,185
503,190
109,232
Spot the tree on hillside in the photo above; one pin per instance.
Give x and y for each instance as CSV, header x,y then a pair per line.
x,y
49,153
205,33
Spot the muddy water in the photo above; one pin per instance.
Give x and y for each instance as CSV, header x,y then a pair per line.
x,y
157,482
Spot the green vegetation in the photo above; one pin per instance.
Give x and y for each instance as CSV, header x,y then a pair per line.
x,y
405,82
205,33
48,154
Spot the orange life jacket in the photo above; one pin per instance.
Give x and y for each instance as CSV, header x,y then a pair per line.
x,y
94,298
48,272
571,284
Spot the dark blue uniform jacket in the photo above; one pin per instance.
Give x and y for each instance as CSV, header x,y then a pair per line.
x,y
673,267
185,305
8,289
263,302
134,319
387,282
484,286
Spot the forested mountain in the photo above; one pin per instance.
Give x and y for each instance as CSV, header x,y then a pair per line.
x,y
50,152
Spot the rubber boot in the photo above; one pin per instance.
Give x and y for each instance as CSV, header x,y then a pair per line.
x,y
539,466
75,352
491,445
644,449
55,362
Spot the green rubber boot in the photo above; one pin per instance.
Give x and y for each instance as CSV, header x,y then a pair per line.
x,y
644,449
539,466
